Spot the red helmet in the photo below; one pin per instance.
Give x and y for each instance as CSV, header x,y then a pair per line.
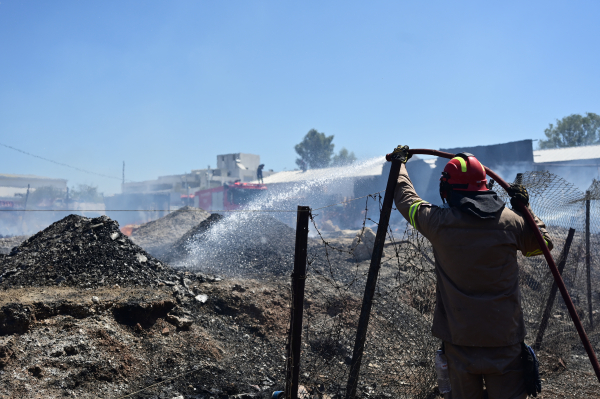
x,y
463,173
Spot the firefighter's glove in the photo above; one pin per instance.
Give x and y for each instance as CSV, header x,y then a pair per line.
x,y
401,154
531,373
518,194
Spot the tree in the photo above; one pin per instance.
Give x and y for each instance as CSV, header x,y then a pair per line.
x,y
573,130
343,158
45,196
85,193
315,150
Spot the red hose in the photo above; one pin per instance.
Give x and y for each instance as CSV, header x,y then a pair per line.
x,y
542,243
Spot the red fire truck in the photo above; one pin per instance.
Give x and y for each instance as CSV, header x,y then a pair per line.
x,y
228,197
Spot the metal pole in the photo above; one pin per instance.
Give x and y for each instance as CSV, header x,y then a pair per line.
x,y
365,312
551,264
550,302
298,281
588,258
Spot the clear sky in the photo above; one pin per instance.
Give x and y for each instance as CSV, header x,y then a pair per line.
x,y
167,85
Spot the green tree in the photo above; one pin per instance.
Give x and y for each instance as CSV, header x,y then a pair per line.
x,y
315,150
573,130
344,157
85,193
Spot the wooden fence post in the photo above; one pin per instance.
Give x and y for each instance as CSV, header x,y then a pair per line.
x,y
588,262
298,281
365,311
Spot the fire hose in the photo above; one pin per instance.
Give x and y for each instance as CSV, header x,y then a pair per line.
x,y
542,243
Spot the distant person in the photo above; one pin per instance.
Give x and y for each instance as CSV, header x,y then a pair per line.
x,y
259,174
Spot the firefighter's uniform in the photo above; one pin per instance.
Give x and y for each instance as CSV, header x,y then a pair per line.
x,y
478,313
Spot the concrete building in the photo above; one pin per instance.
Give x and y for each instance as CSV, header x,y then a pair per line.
x,y
173,191
230,168
579,165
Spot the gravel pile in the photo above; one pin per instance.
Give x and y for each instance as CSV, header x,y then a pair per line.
x,y
158,236
179,251
236,245
84,252
8,243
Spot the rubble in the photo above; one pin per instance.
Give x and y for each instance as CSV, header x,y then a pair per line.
x,y
255,245
157,236
179,251
84,252
363,244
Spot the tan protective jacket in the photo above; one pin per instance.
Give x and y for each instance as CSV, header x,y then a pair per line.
x,y
478,302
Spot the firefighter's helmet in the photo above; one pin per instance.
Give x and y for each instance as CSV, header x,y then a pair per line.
x,y
462,173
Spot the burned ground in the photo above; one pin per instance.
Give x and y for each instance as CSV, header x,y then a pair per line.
x,y
158,236
83,252
252,245
113,332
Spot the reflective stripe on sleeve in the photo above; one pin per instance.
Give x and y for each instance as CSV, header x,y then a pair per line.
x,y
412,212
536,252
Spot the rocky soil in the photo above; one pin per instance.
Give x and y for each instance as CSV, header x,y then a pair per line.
x,y
158,236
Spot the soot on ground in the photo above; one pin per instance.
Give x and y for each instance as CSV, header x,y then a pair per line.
x,y
239,244
84,252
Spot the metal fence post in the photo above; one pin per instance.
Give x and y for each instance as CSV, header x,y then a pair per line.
x,y
365,311
550,302
588,258
298,281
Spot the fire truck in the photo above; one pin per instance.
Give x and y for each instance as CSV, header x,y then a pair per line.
x,y
228,196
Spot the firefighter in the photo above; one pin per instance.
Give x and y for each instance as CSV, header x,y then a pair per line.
x,y
259,173
478,314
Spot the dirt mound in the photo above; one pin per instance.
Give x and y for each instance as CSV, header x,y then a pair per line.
x,y
158,236
179,250
79,251
237,244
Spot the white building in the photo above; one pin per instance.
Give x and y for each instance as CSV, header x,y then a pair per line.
x,y
230,168
578,165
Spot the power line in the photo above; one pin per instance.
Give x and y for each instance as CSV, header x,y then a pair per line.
x,y
60,163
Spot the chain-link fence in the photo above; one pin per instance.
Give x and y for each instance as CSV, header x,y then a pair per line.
x,y
398,360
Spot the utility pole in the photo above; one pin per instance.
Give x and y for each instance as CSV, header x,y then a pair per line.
x,y
25,209
26,198
123,182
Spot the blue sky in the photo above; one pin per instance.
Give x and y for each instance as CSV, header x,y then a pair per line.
x,y
166,86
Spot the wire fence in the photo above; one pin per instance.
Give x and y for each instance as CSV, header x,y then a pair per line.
x,y
399,353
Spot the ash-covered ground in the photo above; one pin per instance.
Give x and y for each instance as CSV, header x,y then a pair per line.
x,y
158,236
85,312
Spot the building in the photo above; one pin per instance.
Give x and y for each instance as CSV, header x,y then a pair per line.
x,y
14,188
578,165
230,168
155,198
